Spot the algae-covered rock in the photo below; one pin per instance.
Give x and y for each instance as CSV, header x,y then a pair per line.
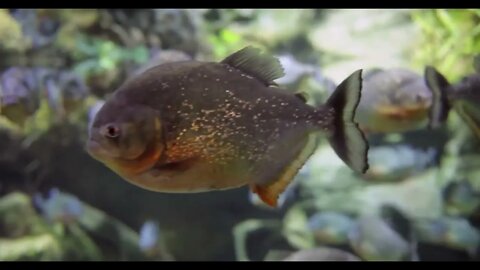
x,y
43,247
11,36
18,217
322,254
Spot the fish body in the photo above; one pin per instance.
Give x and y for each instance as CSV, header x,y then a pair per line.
x,y
393,100
194,126
463,97
374,240
452,232
461,198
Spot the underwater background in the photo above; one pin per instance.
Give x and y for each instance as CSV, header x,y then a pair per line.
x,y
419,201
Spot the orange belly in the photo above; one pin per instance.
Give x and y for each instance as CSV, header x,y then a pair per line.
x,y
200,177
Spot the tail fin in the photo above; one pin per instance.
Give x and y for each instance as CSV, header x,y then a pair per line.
x,y
347,139
438,85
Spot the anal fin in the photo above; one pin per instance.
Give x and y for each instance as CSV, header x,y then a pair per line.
x,y
270,191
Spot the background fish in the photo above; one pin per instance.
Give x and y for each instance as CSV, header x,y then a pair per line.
x,y
461,198
463,96
396,162
452,232
393,100
195,126
19,98
373,239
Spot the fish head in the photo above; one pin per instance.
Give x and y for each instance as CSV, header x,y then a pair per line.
x,y
125,137
394,100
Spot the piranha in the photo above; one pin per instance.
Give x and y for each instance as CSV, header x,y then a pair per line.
x,y
193,126
463,97
393,100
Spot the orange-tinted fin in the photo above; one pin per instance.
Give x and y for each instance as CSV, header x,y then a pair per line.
x,y
270,191
268,196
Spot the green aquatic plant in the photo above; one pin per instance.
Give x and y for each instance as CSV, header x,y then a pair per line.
x,y
11,36
223,42
97,55
449,39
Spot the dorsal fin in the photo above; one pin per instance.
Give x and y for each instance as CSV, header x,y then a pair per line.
x,y
251,61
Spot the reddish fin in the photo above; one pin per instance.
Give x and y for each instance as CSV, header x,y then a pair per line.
x,y
269,192
266,194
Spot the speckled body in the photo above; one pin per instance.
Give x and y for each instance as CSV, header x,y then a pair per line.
x,y
228,127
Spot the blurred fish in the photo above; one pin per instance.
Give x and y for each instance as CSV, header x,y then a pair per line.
x,y
455,233
40,28
461,198
297,73
198,126
393,100
294,69
59,206
65,91
463,96
331,227
373,239
34,58
402,224
52,91
392,163
165,28
322,254
19,97
74,91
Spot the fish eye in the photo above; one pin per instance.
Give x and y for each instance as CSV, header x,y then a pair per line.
x,y
111,131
